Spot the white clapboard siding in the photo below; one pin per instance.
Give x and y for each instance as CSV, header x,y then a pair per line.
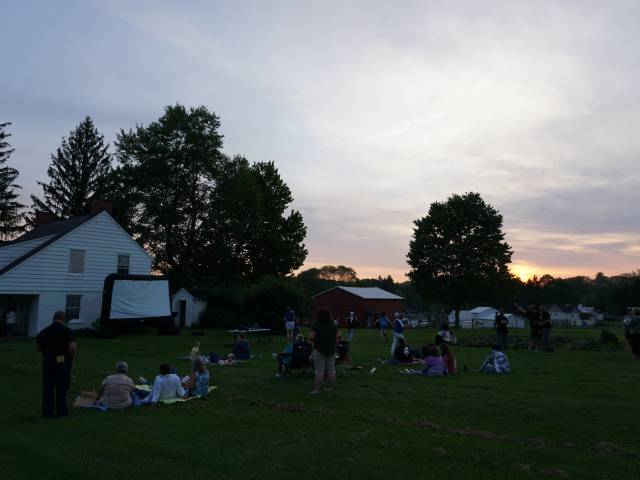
x,y
9,253
48,270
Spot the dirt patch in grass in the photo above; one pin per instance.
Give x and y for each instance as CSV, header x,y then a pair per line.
x,y
541,471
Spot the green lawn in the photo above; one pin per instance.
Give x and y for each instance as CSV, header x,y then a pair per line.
x,y
568,414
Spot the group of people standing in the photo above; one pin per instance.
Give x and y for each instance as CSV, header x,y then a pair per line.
x,y
540,327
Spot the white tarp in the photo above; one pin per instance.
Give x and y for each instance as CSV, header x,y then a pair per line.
x,y
140,299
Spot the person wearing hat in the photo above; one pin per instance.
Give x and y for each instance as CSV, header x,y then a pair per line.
x,y
398,328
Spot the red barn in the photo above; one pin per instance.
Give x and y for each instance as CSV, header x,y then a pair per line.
x,y
366,302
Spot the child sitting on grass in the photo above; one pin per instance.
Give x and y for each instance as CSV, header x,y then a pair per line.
x,y
496,361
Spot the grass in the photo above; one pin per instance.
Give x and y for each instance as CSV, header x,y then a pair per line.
x,y
568,414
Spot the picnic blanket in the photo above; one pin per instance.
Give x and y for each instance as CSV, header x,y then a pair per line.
x,y
207,362
169,401
88,399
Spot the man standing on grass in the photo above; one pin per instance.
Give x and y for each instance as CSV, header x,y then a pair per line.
x,y
501,325
58,349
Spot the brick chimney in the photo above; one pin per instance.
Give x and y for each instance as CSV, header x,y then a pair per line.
x,y
42,218
97,205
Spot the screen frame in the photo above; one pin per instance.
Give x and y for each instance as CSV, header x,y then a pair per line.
x,y
107,295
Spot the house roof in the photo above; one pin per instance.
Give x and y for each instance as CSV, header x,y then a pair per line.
x,y
368,293
197,293
481,309
53,230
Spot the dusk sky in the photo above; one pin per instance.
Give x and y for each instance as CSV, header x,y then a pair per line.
x,y
370,110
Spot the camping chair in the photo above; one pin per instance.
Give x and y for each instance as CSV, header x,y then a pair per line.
x,y
300,359
342,357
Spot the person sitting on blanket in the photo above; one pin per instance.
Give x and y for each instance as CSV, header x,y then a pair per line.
x,y
241,350
166,385
402,353
115,391
198,382
433,366
496,361
449,358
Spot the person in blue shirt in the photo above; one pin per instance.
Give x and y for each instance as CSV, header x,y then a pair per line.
x,y
241,350
398,328
383,325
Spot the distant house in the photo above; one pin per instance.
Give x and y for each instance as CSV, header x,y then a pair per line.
x,y
589,316
366,302
188,306
563,315
62,265
483,317
568,315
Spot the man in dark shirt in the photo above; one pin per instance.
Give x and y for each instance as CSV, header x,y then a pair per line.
x,y
501,325
58,349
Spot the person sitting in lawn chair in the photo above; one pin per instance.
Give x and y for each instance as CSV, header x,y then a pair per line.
x,y
496,362
295,356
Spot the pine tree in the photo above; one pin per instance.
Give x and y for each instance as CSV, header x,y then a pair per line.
x,y
11,215
77,172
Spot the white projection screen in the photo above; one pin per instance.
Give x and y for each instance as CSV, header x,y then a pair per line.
x,y
140,299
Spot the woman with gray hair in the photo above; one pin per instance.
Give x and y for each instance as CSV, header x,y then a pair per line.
x,y
116,389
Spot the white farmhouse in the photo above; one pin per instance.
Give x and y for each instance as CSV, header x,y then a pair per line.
x,y
62,265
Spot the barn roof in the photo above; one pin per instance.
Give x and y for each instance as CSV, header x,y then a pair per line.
x,y
368,293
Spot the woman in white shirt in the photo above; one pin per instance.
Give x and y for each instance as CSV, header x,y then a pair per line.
x,y
166,385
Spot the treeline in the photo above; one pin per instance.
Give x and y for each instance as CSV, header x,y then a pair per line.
x,y
207,218
611,295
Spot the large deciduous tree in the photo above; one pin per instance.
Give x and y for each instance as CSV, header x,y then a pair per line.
x,y
10,209
205,217
458,253
78,171
252,230
166,173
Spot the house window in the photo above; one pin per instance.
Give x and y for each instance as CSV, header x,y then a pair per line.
x,y
72,309
123,264
76,261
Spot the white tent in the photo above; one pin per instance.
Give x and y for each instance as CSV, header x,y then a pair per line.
x,y
483,317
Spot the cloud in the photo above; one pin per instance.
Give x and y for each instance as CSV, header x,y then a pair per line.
x,y
374,110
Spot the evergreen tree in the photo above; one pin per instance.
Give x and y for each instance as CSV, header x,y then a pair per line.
x,y
10,209
78,171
